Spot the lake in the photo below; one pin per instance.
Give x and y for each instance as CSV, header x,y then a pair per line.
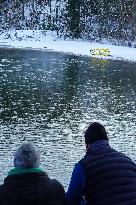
x,y
50,98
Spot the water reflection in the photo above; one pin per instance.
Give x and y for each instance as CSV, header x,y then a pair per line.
x,y
50,98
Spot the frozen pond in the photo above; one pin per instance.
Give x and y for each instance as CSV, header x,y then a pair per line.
x,y
50,98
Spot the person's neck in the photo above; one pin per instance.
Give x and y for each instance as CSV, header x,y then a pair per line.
x,y
97,144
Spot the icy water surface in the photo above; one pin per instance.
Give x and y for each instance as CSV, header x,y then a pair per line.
x,y
50,98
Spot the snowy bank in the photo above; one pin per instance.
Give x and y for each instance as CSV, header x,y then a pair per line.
x,y
48,41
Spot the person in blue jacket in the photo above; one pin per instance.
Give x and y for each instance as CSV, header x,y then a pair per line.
x,y
104,176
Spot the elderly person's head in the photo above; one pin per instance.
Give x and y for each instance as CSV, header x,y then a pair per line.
x,y
27,156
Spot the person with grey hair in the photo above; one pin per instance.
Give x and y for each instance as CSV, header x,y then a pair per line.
x,y
27,156
28,184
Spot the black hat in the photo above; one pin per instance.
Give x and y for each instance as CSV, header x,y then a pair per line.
x,y
95,132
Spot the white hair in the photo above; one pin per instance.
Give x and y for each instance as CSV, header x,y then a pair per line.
x,y
27,156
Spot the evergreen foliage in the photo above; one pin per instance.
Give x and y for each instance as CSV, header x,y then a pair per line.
x,y
87,19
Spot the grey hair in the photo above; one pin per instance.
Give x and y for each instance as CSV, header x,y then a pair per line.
x,y
27,156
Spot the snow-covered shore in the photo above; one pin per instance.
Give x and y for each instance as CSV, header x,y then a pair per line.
x,y
29,39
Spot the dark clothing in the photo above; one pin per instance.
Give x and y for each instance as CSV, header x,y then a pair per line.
x,y
110,177
31,189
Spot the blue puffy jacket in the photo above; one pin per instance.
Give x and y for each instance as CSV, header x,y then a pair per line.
x,y
103,177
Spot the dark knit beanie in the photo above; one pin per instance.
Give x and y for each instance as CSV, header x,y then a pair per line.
x,y
95,132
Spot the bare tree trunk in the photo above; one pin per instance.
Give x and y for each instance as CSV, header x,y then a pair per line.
x,y
50,6
33,5
23,10
134,16
74,17
6,10
50,19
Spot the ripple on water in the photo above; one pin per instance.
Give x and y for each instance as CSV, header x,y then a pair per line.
x,y
50,99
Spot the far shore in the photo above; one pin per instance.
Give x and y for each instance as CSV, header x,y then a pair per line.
x,y
20,39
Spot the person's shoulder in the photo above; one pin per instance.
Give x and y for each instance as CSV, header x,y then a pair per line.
x,y
1,189
56,186
78,166
52,185
84,158
125,157
1,186
55,182
55,194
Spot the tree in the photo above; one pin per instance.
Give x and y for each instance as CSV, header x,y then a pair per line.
x,y
74,17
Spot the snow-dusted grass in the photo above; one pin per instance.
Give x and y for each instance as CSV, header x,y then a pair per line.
x,y
49,41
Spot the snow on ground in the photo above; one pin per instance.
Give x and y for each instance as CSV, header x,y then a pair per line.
x,y
37,39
